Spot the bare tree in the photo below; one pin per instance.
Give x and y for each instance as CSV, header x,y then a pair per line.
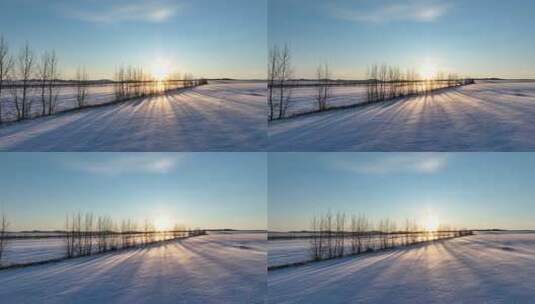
x,y
53,75
273,75
383,70
6,67
354,234
119,83
362,226
104,230
81,87
25,67
148,232
328,222
88,234
3,234
323,94
373,83
383,230
392,229
340,234
315,239
44,74
284,75
72,232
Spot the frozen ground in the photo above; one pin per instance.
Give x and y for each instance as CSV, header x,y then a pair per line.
x,y
218,268
487,116
485,268
221,116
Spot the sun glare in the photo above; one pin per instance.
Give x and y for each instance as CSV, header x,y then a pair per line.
x,y
160,71
431,223
428,68
428,71
162,224
159,68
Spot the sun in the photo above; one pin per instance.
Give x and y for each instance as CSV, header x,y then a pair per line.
x,y
428,71
431,222
159,68
428,68
160,71
162,223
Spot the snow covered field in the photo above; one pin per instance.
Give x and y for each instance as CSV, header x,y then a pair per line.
x,y
221,116
29,250
484,268
303,98
486,116
217,268
21,251
97,94
290,251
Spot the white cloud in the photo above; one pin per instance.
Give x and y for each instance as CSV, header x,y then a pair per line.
x,y
141,11
423,163
123,164
416,11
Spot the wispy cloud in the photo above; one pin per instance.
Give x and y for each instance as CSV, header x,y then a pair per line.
x,y
132,11
423,163
415,11
124,164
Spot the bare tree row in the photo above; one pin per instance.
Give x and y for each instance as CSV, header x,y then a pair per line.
x,y
387,82
27,78
133,82
86,235
28,70
332,236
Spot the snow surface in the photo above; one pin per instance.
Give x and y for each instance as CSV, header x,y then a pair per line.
x,y
484,268
217,268
21,251
221,116
283,252
486,116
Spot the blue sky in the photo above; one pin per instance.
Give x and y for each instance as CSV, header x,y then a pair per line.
x,y
207,190
464,190
209,38
478,38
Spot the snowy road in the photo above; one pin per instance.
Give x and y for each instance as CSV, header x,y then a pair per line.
x,y
487,116
224,116
486,268
218,268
